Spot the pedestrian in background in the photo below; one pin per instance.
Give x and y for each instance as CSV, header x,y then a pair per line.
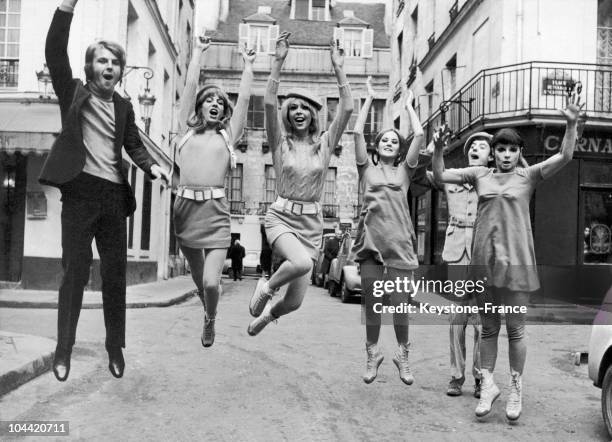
x,y
85,163
236,254
502,250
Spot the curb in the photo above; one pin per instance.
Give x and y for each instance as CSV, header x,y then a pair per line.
x,y
98,305
10,380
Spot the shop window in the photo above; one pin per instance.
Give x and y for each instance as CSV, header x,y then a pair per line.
x,y
597,209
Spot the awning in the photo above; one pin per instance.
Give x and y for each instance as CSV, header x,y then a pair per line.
x,y
30,117
27,127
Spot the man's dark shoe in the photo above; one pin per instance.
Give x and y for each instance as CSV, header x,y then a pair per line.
x,y
116,363
61,364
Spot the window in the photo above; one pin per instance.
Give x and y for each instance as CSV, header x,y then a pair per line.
x,y
259,37
330,209
300,11
451,67
429,90
356,42
332,108
9,42
270,184
145,232
255,113
233,189
374,121
596,201
318,10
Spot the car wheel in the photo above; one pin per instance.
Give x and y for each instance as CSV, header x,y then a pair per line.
x,y
345,294
606,399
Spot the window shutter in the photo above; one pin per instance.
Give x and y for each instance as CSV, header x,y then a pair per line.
x,y
243,35
339,36
272,37
368,43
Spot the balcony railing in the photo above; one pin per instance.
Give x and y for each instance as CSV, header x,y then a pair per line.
x,y
9,72
306,60
330,211
237,207
523,89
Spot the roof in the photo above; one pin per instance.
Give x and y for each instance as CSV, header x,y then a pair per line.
x,y
348,21
303,32
260,18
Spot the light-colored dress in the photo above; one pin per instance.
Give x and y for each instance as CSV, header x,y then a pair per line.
x,y
203,224
503,250
385,232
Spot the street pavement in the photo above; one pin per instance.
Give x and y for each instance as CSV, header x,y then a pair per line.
x,y
299,380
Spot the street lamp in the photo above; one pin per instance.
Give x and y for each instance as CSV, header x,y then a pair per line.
x,y
44,78
147,99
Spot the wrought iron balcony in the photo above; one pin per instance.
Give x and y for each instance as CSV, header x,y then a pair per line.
x,y
330,211
9,72
521,90
237,207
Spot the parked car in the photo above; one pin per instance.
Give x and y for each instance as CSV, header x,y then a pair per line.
x,y
250,265
318,272
600,361
343,276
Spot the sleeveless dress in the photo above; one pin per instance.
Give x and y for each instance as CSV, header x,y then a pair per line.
x,y
202,224
385,231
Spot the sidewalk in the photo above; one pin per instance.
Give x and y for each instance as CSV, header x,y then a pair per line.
x,y
154,294
23,357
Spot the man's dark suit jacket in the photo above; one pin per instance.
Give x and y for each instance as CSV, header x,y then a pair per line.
x,y
67,157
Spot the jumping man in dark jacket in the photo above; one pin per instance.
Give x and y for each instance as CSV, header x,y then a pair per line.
x,y
85,164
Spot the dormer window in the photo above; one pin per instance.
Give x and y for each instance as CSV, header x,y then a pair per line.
x,y
355,36
310,10
259,31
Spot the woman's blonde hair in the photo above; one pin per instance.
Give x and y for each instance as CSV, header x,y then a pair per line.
x,y
313,129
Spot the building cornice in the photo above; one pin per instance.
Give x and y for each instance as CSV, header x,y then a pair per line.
x,y
462,15
162,27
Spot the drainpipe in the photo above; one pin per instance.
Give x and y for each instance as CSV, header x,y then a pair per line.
x,y
519,31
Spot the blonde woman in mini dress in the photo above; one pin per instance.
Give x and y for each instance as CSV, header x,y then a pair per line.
x,y
294,223
502,249
205,155
384,244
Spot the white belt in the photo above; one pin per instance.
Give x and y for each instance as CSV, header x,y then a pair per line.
x,y
298,207
201,194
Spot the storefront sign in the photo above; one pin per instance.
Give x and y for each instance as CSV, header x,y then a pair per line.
x,y
556,86
588,143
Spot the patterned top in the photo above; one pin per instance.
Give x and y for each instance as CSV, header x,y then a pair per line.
x,y
301,168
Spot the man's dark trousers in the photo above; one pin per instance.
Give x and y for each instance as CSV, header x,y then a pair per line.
x,y
93,208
